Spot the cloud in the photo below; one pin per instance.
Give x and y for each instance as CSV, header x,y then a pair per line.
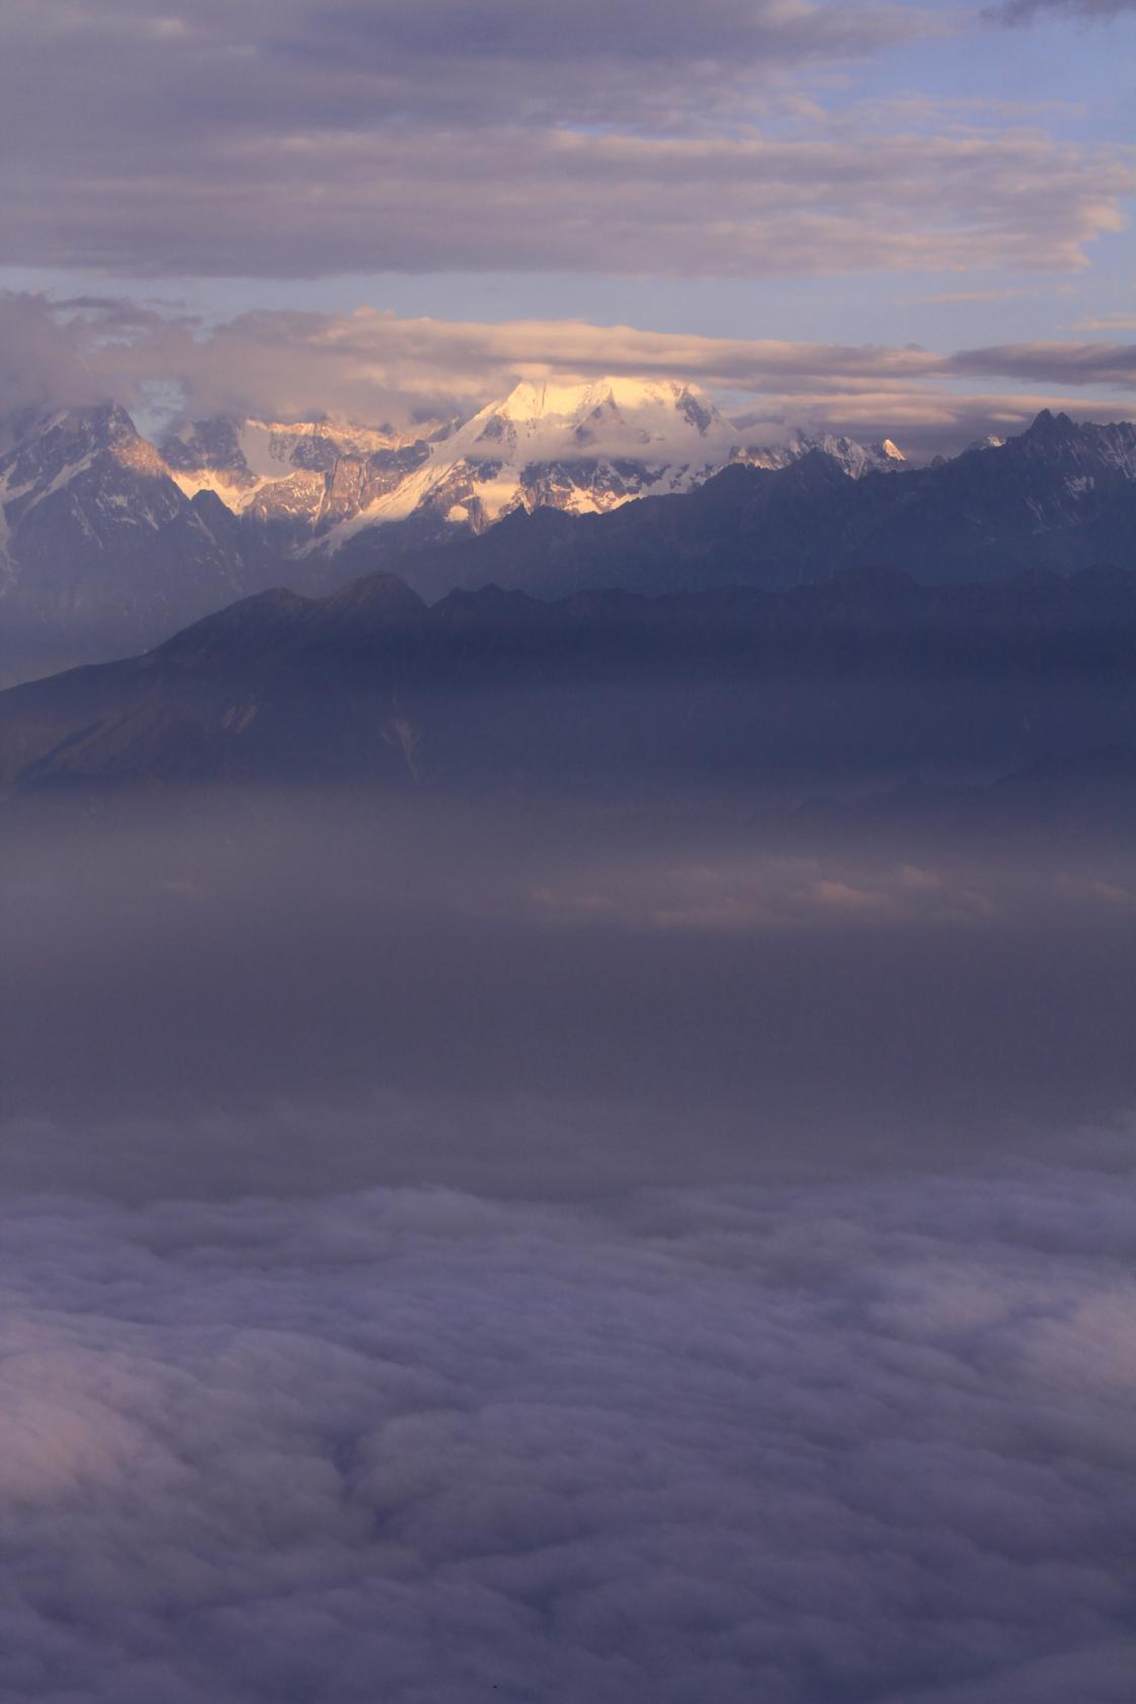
x,y
1111,365
1029,11
775,894
366,62
845,1440
310,203
371,365
42,358
296,141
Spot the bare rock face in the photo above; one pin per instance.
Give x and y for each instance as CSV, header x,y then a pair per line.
x,y
292,484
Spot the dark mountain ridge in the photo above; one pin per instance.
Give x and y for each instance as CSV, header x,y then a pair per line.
x,y
868,669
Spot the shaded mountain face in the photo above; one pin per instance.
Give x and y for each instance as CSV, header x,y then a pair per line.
x,y
1060,497
98,546
869,675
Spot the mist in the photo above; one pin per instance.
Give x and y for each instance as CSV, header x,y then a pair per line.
x,y
595,1245
852,979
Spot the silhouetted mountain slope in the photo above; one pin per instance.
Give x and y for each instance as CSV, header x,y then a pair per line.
x,y
869,671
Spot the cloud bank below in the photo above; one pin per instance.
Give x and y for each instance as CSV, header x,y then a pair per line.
x,y
844,1440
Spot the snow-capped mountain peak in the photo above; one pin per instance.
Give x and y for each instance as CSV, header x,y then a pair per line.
x,y
584,447
659,408
608,416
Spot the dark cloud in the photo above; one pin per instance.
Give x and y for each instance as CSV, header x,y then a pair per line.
x,y
1029,11
844,1441
1111,365
228,83
649,31
288,140
310,204
373,60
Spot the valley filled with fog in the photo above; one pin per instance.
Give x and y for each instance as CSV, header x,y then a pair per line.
x,y
631,1244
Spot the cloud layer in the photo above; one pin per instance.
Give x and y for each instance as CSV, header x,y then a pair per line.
x,y
840,1441
289,140
653,1399
504,199
371,365
1029,11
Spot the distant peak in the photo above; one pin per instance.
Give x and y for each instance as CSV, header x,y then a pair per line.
x,y
1048,422
107,421
378,593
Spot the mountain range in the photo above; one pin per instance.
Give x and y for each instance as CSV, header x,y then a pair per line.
x,y
576,448
867,673
1061,496
109,542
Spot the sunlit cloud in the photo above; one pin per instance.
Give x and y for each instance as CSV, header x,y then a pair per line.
x,y
372,366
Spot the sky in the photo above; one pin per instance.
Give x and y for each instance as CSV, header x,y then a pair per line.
x,y
904,218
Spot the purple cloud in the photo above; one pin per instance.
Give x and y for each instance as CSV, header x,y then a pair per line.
x,y
864,1440
371,366
287,140
1029,11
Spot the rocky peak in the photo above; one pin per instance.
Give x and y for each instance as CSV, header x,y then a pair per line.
x,y
66,441
1079,447
1048,426
212,444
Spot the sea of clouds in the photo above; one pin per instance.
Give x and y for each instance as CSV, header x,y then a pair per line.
x,y
826,1440
459,1255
